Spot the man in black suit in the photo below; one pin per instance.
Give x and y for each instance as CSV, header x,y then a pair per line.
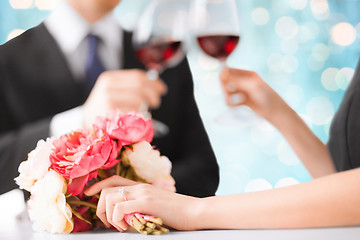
x,y
39,81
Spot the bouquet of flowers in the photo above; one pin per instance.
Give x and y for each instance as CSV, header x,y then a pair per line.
x,y
58,171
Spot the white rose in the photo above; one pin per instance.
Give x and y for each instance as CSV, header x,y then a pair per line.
x,y
36,166
165,181
147,162
47,205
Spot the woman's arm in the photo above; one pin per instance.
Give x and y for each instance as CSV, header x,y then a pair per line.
x,y
328,201
268,104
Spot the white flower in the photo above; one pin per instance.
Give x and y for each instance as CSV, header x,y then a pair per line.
x,y
165,181
149,165
47,206
36,166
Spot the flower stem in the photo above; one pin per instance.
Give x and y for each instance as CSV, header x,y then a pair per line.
x,y
77,202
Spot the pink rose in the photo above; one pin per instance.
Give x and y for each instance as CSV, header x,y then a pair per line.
x,y
79,154
127,128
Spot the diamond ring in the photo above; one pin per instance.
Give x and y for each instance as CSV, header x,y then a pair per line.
x,y
122,191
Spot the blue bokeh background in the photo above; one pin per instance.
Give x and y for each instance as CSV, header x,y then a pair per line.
x,y
305,49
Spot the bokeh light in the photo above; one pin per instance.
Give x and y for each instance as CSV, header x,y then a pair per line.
x,y
256,185
286,182
343,34
298,4
260,16
14,33
46,4
21,4
320,110
286,27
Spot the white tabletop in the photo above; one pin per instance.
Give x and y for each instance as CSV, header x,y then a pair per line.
x,y
15,227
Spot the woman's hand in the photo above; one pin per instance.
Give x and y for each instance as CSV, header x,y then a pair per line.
x,y
177,211
254,92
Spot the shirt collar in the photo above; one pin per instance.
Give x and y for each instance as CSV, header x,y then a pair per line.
x,y
70,29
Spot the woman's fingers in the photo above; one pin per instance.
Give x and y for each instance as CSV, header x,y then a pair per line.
x,y
109,198
114,181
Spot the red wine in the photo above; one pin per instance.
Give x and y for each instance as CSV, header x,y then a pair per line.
x,y
159,55
218,46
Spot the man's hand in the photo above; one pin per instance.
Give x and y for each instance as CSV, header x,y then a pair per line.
x,y
126,90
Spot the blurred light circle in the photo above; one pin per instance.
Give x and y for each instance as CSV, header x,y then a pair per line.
x,y
208,63
320,52
14,33
285,154
260,16
258,184
289,46
21,4
290,63
294,95
286,182
262,134
308,31
46,4
275,62
344,77
319,7
286,27
298,4
343,34
315,65
307,120
211,84
328,79
358,29
320,110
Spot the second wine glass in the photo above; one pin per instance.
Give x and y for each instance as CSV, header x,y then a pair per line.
x,y
159,35
158,39
217,32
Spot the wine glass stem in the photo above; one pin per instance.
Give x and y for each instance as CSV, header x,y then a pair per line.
x,y
152,74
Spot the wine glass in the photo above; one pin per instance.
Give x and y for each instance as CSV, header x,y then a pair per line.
x,y
158,39
216,29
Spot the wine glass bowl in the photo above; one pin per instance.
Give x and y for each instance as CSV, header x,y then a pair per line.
x,y
217,33
159,35
218,46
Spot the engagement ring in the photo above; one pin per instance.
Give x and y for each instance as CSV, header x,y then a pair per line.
x,y
122,191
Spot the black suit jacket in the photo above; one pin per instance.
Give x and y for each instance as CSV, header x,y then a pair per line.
x,y
36,84
344,141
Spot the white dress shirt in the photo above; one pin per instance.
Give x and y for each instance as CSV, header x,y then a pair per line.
x,y
70,31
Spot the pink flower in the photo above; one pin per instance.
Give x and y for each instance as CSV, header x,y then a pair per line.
x,y
127,128
79,154
79,224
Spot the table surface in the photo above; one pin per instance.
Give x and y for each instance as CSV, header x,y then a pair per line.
x,y
23,230
15,225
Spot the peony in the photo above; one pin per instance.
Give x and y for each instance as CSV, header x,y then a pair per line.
x,y
79,154
126,128
36,166
47,205
149,165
